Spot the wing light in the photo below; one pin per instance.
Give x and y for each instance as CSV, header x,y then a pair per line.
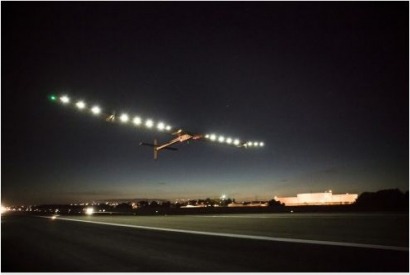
x,y
52,97
160,126
233,141
124,118
80,105
149,123
65,99
96,110
137,120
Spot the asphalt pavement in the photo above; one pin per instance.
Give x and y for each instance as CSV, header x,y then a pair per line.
x,y
32,244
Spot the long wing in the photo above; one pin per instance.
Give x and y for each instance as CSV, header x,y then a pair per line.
x,y
150,124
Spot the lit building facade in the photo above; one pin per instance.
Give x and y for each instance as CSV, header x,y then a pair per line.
x,y
326,198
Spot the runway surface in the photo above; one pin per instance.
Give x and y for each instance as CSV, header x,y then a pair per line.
x,y
33,244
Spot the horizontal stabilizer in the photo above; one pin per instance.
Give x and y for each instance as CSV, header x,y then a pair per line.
x,y
170,148
148,144
153,145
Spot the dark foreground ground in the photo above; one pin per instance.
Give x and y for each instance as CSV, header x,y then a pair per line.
x,y
31,244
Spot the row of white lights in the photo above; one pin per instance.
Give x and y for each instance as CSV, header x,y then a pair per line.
x,y
149,123
124,118
229,140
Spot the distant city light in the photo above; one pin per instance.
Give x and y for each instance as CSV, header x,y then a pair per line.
x,y
124,118
95,110
80,105
65,99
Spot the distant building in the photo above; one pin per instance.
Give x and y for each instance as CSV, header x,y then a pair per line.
x,y
326,198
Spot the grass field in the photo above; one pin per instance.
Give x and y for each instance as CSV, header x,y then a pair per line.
x,y
364,228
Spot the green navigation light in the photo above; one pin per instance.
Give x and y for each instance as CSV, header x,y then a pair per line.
x,y
52,97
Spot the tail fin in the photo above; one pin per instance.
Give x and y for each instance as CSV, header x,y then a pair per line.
x,y
154,146
155,149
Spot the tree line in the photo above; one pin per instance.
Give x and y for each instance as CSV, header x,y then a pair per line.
x,y
382,200
388,199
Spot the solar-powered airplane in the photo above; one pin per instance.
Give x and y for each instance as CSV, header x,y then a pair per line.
x,y
137,121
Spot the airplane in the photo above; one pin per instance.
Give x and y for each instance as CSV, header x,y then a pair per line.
x,y
181,135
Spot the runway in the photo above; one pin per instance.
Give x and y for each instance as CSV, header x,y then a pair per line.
x,y
32,244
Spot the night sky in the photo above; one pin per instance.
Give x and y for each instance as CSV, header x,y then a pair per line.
x,y
324,84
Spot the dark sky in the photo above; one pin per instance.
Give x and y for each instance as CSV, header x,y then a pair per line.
x,y
324,84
